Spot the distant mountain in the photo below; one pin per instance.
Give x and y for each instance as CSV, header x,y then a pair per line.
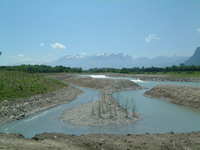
x,y
194,59
104,60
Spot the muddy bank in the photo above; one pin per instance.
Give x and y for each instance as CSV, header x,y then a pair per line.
x,y
21,108
156,77
179,94
179,141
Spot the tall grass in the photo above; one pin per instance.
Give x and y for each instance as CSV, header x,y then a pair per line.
x,y
109,106
18,84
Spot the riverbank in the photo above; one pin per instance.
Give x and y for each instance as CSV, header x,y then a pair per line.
x,y
21,108
100,141
109,85
103,112
178,94
45,141
156,77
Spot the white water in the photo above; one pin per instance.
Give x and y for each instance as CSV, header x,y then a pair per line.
x,y
98,76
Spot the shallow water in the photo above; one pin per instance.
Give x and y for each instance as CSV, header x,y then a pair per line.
x,y
158,116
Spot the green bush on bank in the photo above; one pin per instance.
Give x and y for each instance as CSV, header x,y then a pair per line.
x,y
15,84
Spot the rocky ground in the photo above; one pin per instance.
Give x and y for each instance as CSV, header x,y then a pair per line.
x,y
21,108
99,113
106,84
168,141
179,94
105,111
156,77
46,141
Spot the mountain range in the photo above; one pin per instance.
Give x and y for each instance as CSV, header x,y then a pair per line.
x,y
105,60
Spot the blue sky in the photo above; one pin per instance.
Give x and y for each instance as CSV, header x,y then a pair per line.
x,y
45,30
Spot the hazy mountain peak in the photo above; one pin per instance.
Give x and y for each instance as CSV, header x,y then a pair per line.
x,y
114,60
102,54
195,58
169,56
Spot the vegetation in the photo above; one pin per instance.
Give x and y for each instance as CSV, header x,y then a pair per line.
x,y
136,70
41,69
18,84
108,106
181,70
127,104
25,80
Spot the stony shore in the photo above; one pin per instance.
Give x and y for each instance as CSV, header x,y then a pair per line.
x,y
156,77
111,113
21,108
179,141
178,94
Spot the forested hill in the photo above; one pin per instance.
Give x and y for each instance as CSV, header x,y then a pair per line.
x,y
194,59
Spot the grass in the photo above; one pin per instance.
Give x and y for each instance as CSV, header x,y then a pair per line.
x,y
15,84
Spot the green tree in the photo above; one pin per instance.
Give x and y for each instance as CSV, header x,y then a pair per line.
x,y
182,67
0,53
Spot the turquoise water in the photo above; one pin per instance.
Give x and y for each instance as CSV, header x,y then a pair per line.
x,y
158,116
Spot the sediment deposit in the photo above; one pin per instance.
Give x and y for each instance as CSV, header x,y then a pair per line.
x,y
179,94
21,108
111,114
156,77
46,141
99,113
178,141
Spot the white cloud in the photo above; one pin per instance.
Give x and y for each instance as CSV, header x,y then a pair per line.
x,y
12,56
83,54
58,47
150,37
42,44
20,55
23,58
198,30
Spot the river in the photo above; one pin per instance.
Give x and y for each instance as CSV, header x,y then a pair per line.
x,y
158,116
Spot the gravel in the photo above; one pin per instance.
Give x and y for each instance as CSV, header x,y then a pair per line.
x,y
110,113
21,108
187,95
88,115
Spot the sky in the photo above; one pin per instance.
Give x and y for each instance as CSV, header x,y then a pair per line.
x,y
41,31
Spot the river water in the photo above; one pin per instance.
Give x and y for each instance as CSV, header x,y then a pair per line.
x,y
158,116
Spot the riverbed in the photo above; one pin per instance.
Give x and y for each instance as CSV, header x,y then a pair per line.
x,y
158,116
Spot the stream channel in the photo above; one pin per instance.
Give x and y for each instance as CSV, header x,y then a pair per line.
x,y
158,116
